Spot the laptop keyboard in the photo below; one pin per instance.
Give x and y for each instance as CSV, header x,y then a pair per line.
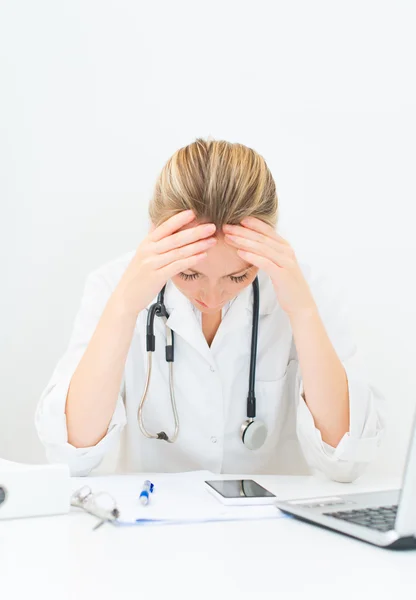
x,y
381,518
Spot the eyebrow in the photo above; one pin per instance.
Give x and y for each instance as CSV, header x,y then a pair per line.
x,y
240,272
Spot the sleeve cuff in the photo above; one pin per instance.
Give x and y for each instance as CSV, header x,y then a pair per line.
x,y
52,430
353,447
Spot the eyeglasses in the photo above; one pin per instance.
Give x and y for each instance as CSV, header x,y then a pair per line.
x,y
101,505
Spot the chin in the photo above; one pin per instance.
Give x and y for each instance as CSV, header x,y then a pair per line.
x,y
209,311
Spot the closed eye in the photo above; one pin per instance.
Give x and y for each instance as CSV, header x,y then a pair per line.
x,y
189,277
233,278
239,278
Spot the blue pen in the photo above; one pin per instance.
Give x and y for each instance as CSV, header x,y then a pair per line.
x,y
146,491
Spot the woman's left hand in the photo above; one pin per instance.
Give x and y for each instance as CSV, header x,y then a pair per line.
x,y
260,245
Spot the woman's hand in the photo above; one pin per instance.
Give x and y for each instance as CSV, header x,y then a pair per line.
x,y
165,252
260,245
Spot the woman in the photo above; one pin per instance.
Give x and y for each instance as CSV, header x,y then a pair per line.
x,y
213,215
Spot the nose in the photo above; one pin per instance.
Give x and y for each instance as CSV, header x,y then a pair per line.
x,y
212,296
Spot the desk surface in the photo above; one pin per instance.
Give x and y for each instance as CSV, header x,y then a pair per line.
x,y
60,558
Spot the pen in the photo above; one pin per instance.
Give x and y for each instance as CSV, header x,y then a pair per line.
x,y
146,491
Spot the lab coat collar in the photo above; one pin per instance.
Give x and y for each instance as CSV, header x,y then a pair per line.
x,y
183,321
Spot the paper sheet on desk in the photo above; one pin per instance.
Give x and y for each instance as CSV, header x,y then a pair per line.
x,y
177,498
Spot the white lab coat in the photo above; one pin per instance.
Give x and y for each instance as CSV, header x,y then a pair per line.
x,y
211,386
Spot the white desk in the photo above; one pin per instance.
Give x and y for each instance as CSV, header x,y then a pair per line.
x,y
60,558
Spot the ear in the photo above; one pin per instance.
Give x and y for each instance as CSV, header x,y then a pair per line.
x,y
152,227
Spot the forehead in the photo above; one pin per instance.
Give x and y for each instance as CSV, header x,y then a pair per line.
x,y
221,260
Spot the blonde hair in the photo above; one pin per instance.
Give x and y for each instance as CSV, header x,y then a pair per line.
x,y
221,182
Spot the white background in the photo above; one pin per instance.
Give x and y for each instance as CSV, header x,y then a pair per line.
x,y
96,95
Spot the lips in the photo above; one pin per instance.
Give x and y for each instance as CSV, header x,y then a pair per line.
x,y
201,303
206,305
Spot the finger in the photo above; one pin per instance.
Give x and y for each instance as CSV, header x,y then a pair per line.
x,y
161,260
250,233
172,225
181,265
260,262
277,252
262,227
188,236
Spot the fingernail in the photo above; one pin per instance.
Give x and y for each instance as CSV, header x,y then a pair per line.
x,y
211,227
211,241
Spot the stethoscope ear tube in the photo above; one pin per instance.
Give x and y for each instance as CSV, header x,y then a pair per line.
x,y
150,329
169,353
158,310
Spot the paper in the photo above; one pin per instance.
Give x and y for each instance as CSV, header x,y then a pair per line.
x,y
177,498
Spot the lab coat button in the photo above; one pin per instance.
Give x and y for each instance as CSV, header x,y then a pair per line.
x,y
213,439
212,369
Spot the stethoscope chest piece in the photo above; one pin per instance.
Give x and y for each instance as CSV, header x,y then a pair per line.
x,y
253,433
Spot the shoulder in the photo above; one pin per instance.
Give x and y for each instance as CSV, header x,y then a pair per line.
x,y
268,299
109,274
328,291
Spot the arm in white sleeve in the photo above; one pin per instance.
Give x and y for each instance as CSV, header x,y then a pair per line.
x,y
50,416
359,445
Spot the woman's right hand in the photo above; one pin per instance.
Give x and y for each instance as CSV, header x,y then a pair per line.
x,y
165,252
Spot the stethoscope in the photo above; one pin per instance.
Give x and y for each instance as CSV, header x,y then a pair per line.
x,y
253,432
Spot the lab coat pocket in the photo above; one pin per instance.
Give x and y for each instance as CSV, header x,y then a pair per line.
x,y
270,405
276,406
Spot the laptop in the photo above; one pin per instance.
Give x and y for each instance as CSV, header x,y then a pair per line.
x,y
386,519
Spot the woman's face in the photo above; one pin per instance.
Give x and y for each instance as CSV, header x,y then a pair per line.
x,y
216,279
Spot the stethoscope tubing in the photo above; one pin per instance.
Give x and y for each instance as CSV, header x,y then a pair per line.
x,y
158,309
